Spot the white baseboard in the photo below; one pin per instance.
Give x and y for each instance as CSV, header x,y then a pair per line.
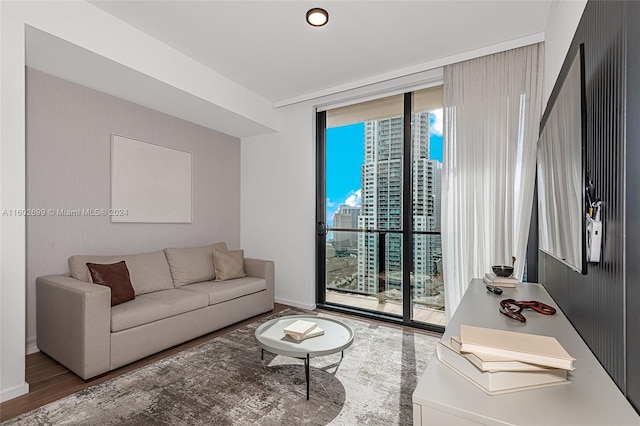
x,y
14,392
31,348
295,304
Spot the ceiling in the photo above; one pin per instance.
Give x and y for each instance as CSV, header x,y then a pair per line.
x,y
267,47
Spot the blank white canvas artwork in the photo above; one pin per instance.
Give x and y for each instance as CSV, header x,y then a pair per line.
x,y
151,183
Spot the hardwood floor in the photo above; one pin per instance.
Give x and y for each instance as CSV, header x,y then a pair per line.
x,y
50,381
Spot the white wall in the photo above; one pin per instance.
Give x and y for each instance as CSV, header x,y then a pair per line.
x,y
12,195
564,17
90,28
278,203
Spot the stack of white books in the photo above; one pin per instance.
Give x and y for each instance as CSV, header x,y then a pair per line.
x,y
302,329
499,361
494,280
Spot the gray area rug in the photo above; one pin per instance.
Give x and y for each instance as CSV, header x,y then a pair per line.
x,y
224,382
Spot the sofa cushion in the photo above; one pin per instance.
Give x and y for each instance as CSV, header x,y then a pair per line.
x,y
116,277
228,264
155,306
222,291
192,264
148,271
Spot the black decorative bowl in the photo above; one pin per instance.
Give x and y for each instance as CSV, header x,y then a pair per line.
x,y
502,270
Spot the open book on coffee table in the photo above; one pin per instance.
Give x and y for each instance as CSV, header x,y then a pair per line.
x,y
302,329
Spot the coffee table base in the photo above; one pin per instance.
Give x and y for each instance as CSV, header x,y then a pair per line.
x,y
306,366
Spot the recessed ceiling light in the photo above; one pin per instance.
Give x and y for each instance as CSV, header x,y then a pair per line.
x,y
317,17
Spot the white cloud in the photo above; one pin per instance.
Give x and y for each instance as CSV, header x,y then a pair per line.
x,y
437,123
354,199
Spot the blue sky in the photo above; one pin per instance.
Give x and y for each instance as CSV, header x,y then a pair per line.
x,y
435,140
345,155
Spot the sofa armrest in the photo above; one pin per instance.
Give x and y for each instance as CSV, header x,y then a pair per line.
x,y
262,269
73,320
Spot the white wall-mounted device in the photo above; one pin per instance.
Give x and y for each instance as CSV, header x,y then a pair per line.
x,y
594,235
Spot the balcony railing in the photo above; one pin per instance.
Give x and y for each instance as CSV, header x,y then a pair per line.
x,y
357,257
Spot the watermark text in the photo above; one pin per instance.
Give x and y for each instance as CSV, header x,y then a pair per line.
x,y
63,212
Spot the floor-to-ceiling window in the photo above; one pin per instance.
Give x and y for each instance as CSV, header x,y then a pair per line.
x,y
379,166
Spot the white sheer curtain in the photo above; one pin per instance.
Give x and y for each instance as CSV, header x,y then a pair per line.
x,y
492,115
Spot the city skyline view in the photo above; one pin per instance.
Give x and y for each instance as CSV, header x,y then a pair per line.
x,y
345,156
365,176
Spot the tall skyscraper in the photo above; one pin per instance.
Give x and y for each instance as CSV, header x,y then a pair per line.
x,y
382,205
346,218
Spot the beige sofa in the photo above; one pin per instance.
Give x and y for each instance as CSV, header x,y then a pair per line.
x,y
176,299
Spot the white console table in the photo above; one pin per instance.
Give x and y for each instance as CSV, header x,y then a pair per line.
x,y
442,397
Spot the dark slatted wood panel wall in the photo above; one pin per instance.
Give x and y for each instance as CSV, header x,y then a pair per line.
x,y
595,303
632,200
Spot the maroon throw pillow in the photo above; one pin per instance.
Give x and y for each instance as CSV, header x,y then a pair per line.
x,y
116,277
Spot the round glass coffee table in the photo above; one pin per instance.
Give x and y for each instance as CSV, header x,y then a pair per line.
x,y
336,338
